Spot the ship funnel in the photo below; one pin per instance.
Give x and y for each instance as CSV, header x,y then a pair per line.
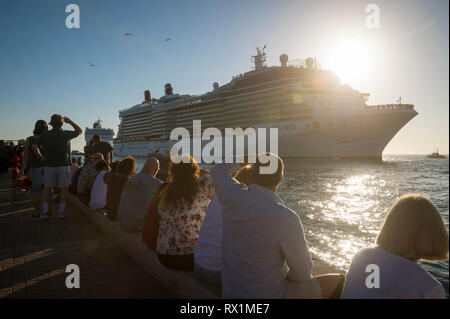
x,y
147,96
284,59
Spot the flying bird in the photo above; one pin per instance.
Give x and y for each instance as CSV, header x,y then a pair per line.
x,y
91,64
168,39
128,34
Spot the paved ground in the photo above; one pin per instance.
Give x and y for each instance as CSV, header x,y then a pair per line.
x,y
35,253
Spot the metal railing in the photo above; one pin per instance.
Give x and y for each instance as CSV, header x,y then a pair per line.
x,y
391,106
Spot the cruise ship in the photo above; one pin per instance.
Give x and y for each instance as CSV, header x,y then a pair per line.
x,y
317,116
106,134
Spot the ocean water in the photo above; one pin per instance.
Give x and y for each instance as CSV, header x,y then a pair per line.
x,y
342,203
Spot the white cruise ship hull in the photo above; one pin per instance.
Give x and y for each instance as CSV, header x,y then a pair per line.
x,y
346,136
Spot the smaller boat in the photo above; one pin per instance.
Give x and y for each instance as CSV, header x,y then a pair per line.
x,y
435,155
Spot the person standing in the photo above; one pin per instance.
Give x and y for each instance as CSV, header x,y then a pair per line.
x,y
3,156
74,167
35,165
102,147
56,151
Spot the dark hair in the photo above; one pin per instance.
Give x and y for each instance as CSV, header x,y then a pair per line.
x,y
56,120
267,180
96,137
115,166
40,127
102,166
244,176
182,183
127,166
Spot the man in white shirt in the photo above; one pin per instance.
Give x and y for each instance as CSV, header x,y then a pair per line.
x,y
208,249
265,254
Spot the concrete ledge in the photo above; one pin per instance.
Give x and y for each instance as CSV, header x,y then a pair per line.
x,y
181,284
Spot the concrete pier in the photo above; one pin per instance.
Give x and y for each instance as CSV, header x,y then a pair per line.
x,y
113,264
34,254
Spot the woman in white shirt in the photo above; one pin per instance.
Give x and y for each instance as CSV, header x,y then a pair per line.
x,y
412,230
99,188
208,249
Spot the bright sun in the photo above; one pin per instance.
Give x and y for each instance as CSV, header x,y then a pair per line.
x,y
351,61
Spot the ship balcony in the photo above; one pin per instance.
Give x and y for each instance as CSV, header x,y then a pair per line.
x,y
390,107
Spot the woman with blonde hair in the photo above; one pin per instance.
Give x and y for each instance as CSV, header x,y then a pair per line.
x,y
412,230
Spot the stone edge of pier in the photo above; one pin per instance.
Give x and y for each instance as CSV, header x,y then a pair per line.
x,y
182,284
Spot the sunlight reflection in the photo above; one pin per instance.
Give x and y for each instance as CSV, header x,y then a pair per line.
x,y
352,205
13,262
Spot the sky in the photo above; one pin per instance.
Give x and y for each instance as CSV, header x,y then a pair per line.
x,y
44,65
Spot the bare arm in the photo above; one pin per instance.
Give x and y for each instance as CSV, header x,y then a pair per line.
x,y
37,151
75,127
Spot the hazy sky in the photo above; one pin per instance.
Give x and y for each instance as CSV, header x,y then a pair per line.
x,y
44,66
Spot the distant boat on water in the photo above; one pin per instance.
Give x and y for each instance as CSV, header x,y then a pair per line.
x,y
435,155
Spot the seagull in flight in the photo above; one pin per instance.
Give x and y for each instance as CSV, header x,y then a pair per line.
x,y
128,34
91,64
168,39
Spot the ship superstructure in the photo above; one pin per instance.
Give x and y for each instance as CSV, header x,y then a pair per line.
x,y
316,115
106,134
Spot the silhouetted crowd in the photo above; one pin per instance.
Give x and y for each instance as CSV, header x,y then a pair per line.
x,y
228,225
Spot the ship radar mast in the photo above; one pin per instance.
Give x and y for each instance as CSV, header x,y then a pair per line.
x,y
260,58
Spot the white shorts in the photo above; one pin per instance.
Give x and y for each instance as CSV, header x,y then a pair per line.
x,y
304,290
57,176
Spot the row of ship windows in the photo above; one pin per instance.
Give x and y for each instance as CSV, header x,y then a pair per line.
x,y
268,115
313,125
279,109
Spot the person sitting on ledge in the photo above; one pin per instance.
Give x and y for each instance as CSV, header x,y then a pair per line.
x,y
99,188
181,208
151,224
264,250
412,230
208,250
74,167
87,173
137,196
116,182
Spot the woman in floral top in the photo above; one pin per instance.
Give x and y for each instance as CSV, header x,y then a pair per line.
x,y
182,207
